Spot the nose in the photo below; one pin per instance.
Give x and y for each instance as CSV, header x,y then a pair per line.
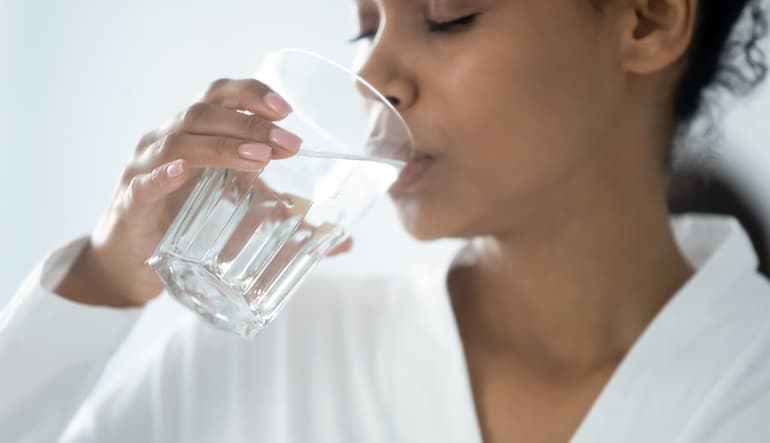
x,y
386,71
395,101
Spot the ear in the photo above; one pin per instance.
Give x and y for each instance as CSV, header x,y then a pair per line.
x,y
656,33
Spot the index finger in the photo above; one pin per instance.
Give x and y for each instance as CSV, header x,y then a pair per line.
x,y
248,95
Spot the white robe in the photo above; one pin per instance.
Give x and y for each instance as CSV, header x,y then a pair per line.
x,y
379,359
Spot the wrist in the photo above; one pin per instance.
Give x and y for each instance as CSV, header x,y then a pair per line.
x,y
88,282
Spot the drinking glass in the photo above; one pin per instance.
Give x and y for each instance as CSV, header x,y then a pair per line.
x,y
244,241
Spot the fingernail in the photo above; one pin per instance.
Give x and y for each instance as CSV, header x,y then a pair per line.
x,y
255,151
285,139
174,169
277,104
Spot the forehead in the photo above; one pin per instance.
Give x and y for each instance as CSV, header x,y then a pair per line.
x,y
433,6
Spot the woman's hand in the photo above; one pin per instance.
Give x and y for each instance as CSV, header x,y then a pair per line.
x,y
211,133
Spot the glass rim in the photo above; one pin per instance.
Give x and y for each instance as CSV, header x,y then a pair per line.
x,y
350,73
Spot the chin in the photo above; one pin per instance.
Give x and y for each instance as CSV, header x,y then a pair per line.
x,y
422,221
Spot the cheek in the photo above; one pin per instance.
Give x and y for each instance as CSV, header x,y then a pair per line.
x,y
522,111
531,110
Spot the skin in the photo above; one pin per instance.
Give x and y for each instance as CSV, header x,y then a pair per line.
x,y
547,120
111,270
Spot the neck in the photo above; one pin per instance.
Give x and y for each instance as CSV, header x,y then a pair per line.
x,y
575,293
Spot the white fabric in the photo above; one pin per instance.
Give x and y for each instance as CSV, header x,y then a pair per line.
x,y
379,359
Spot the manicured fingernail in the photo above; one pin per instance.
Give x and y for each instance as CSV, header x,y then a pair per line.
x,y
277,104
255,151
285,139
174,169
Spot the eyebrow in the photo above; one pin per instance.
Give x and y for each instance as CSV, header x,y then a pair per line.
x,y
444,8
363,9
433,8
364,2
436,8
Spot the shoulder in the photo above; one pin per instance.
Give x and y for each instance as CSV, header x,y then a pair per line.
x,y
738,406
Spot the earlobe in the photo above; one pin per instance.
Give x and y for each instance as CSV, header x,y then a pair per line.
x,y
656,33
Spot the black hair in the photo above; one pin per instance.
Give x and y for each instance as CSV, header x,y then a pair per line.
x,y
734,64
725,56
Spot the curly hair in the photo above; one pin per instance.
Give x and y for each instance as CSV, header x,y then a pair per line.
x,y
722,56
725,56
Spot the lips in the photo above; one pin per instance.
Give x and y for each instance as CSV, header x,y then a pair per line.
x,y
419,155
410,175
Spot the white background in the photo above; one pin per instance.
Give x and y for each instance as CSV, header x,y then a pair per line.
x,y
82,80
88,78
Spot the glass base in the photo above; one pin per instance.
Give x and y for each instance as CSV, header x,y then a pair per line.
x,y
200,290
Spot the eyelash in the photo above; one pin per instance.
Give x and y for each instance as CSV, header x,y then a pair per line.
x,y
446,27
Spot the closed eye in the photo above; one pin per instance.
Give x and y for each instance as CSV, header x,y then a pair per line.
x,y
451,26
366,35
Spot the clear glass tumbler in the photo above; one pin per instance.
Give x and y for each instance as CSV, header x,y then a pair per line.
x,y
243,242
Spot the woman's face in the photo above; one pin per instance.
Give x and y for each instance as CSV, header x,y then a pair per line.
x,y
519,106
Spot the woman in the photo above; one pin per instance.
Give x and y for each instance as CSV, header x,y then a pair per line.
x,y
578,309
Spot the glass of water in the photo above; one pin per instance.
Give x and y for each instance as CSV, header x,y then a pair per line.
x,y
243,242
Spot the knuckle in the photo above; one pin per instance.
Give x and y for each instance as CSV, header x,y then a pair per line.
x,y
254,125
127,174
134,191
167,145
216,85
245,92
194,114
256,87
156,176
220,146
145,140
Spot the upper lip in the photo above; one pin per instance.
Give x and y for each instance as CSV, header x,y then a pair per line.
x,y
417,155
